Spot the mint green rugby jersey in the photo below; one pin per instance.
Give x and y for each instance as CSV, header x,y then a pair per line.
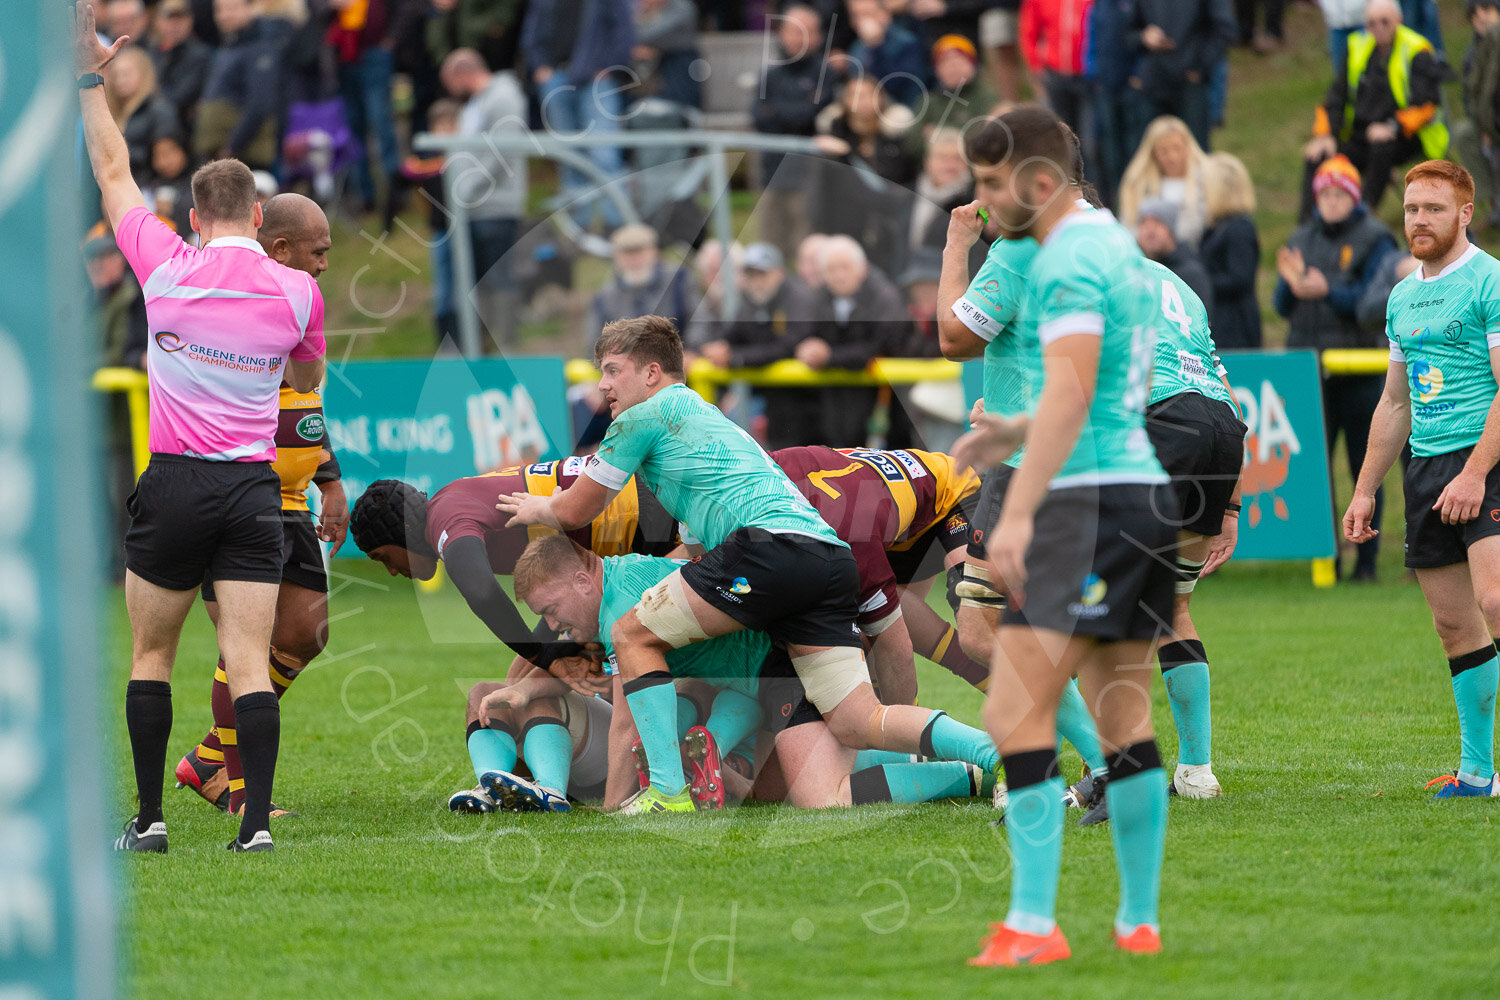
x,y
1186,358
1089,277
705,470
734,660
990,308
1443,329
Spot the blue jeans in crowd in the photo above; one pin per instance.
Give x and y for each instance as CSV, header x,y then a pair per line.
x,y
365,86
444,309
1338,44
590,109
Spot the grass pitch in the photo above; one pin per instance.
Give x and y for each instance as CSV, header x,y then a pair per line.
x,y
1324,872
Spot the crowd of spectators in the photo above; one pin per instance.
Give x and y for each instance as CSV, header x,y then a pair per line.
x,y
849,234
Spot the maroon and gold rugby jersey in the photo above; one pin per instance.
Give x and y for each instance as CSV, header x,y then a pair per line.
x,y
889,506
303,453
633,522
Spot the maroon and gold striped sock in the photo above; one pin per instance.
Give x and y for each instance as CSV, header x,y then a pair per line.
x,y
210,750
947,653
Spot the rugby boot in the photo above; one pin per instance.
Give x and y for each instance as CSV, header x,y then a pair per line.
x,y
211,781
650,800
153,841
1008,947
704,768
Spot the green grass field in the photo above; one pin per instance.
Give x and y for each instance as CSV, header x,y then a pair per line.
x,y
1324,872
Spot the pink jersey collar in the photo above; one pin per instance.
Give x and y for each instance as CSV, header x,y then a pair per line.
x,y
244,243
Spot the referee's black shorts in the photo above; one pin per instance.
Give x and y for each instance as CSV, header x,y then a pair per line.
x,y
192,520
301,555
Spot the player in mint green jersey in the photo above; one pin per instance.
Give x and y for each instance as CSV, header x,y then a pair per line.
x,y
1199,439
981,316
584,595
1443,321
1076,545
772,564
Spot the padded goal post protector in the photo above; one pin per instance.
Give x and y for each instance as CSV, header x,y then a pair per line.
x,y
56,893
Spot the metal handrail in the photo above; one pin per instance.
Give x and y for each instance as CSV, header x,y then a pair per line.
x,y
715,145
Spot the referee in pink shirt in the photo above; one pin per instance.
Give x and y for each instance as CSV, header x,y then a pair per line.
x,y
227,324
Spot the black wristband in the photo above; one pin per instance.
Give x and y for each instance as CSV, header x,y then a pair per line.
x,y
1236,508
88,81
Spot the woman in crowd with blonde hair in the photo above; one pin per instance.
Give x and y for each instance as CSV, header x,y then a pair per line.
x,y
1230,252
140,111
1169,165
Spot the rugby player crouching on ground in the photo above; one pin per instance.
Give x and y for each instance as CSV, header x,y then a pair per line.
x,y
577,592
409,533
905,517
771,564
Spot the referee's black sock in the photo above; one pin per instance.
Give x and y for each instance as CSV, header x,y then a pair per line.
x,y
148,717
258,722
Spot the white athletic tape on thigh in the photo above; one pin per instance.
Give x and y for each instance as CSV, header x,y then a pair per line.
x,y
974,590
829,676
664,609
875,628
1187,571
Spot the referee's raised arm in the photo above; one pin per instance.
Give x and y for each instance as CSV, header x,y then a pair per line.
x,y
108,154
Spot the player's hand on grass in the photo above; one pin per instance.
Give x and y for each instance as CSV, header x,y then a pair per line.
x,y
1221,547
1007,554
583,674
1357,519
89,56
993,440
333,516
1461,499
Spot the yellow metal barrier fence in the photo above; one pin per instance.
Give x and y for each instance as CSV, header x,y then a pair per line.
x,y
132,382
707,379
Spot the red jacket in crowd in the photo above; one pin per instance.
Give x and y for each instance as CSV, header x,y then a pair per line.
x,y
1054,35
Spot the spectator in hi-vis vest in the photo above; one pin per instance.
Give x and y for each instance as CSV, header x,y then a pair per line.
x,y
1382,107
